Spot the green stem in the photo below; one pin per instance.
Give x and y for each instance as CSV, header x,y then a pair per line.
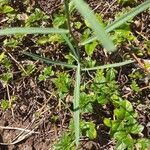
x,y
76,105
109,65
75,41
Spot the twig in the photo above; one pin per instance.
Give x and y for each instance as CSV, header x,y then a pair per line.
x,y
16,128
10,101
20,66
21,133
21,138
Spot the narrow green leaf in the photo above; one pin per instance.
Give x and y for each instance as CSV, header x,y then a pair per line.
x,y
124,18
46,60
109,65
31,30
76,106
72,49
95,25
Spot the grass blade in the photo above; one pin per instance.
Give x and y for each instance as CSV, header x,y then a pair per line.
x,y
109,65
46,60
95,25
31,30
76,106
124,18
72,49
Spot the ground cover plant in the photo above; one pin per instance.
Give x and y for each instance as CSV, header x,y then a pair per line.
x,y
71,81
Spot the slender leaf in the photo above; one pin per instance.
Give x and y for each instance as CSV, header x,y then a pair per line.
x,y
95,25
76,106
72,49
31,30
124,18
48,61
109,65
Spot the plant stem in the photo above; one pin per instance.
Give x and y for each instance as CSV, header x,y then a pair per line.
x,y
75,41
76,105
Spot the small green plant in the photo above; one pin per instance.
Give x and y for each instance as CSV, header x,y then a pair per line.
x,y
65,142
7,75
5,8
6,104
29,70
46,73
134,86
88,129
35,18
62,82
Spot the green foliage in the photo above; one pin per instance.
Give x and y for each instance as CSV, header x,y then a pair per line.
x,y
51,38
89,48
6,9
86,102
46,73
12,42
5,61
136,75
122,19
143,144
124,125
65,142
88,62
104,87
6,76
4,104
77,25
122,35
88,129
62,82
134,86
59,21
95,25
36,17
70,58
29,70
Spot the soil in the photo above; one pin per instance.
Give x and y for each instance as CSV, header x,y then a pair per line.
x,y
31,118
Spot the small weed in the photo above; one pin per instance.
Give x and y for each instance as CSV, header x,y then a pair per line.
x,y
62,82
46,73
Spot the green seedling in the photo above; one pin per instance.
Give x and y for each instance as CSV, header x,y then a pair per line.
x,y
62,82
88,129
46,73
6,104
6,64
29,70
134,86
35,18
